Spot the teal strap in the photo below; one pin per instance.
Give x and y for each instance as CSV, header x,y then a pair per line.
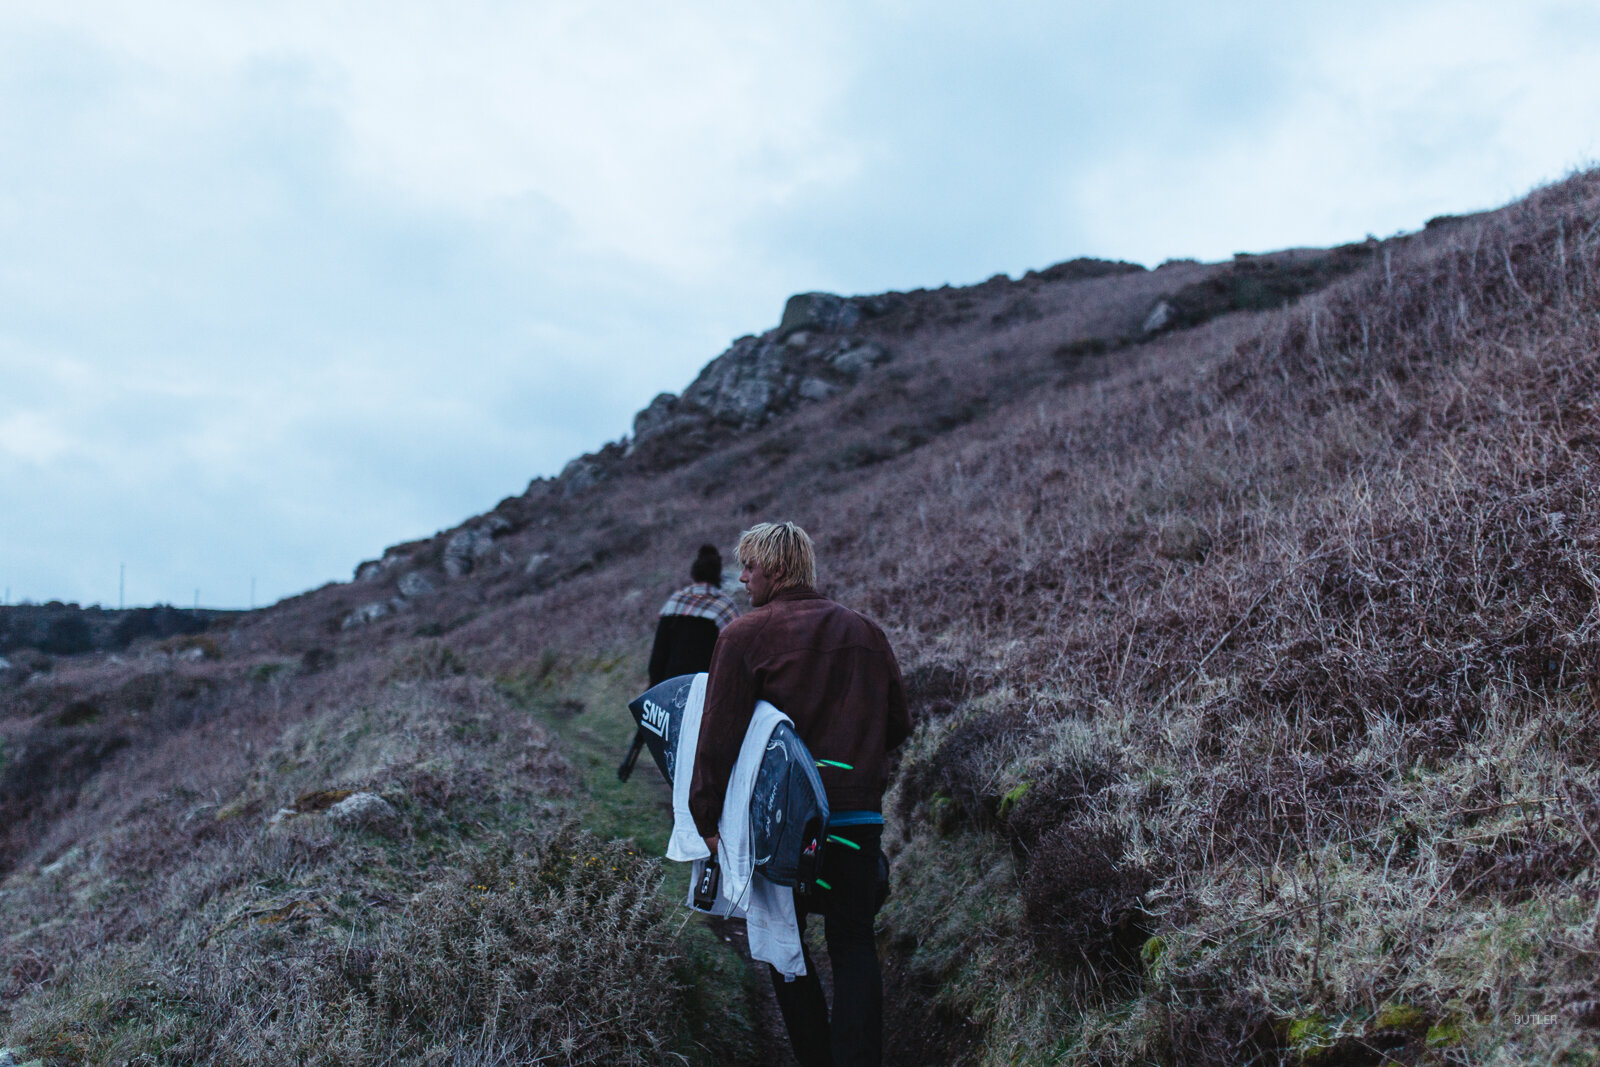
x,y
855,817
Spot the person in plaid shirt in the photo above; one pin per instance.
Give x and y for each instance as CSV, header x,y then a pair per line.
x,y
691,619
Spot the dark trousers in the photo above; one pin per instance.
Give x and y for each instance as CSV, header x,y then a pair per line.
x,y
855,1034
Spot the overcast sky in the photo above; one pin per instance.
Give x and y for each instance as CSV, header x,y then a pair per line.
x,y
284,283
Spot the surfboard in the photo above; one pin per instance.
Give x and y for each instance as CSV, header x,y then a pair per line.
x,y
788,806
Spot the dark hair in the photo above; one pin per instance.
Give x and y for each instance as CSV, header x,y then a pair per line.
x,y
707,566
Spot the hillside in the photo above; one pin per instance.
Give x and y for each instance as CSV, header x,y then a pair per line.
x,y
1247,611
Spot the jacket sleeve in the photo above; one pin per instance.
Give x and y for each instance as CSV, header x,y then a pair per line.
x,y
899,726
661,651
731,694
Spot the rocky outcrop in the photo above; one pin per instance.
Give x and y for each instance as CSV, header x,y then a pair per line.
x,y
823,312
415,584
464,547
470,544
811,356
1074,270
754,381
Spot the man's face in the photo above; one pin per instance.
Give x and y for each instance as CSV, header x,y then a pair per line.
x,y
758,583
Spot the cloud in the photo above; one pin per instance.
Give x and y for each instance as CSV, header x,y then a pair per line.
x,y
288,282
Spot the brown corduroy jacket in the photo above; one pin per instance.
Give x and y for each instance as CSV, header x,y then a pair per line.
x,y
827,668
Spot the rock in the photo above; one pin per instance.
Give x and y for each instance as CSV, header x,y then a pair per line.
x,y
882,304
582,473
656,417
69,858
5,664
798,339
816,389
817,311
415,584
281,816
744,385
364,809
1083,268
465,548
535,562
191,655
374,569
1161,316
857,356
364,614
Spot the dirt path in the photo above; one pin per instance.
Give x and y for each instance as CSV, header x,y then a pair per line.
x,y
772,1038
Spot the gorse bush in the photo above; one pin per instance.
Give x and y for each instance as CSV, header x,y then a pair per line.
x,y
559,954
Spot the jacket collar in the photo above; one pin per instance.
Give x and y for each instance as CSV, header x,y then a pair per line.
x,y
795,592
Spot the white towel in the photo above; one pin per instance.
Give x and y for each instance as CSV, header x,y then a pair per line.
x,y
768,909
686,844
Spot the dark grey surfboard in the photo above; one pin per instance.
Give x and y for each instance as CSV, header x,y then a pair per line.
x,y
788,807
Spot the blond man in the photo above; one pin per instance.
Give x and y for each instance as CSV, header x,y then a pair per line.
x,y
832,671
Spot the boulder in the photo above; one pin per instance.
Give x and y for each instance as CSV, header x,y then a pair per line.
x,y
590,470
366,613
365,809
1161,316
5,664
815,389
374,569
856,357
536,562
415,584
466,547
656,416
817,311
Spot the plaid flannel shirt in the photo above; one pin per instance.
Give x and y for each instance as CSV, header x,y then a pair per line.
x,y
702,602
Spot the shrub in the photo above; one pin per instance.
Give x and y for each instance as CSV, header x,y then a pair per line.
x,y
1056,799
559,954
1083,900
68,635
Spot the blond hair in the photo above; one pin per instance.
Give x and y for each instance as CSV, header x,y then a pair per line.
x,y
781,549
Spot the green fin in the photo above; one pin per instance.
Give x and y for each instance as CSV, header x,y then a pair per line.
x,y
844,841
